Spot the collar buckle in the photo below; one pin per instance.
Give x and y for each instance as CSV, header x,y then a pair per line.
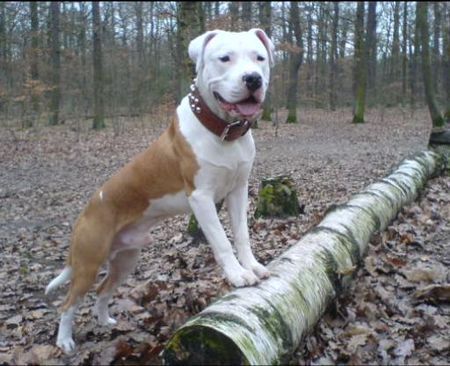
x,y
227,129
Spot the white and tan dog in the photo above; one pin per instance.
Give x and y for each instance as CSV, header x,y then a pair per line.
x,y
203,157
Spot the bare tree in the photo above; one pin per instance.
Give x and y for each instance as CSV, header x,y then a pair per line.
x,y
436,53
395,54
333,56
55,57
265,20
446,62
404,50
295,61
99,112
372,46
34,69
247,15
233,8
422,20
360,66
189,26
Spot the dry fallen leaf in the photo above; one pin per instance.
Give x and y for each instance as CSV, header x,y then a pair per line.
x,y
355,341
438,292
426,273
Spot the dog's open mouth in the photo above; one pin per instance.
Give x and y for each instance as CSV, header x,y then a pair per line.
x,y
247,108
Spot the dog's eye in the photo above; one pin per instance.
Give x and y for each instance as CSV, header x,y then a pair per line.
x,y
260,58
224,58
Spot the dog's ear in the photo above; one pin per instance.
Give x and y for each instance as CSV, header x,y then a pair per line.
x,y
197,47
266,42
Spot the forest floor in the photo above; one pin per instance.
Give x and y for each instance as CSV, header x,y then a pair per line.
x,y
47,175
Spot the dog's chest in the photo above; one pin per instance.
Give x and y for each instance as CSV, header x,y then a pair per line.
x,y
214,180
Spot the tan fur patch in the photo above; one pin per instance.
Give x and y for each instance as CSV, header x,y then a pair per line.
x,y
167,166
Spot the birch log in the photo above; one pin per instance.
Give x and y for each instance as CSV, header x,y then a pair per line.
x,y
263,325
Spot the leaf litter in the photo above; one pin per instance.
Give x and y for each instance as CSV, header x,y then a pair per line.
x,y
395,311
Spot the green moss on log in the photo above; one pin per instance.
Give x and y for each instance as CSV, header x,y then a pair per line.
x,y
200,345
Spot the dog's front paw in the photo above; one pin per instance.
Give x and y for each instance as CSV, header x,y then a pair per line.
x,y
242,278
66,344
260,270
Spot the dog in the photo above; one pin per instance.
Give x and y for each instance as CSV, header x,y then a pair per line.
x,y
203,157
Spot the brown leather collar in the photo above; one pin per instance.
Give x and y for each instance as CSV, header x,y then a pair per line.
x,y
226,131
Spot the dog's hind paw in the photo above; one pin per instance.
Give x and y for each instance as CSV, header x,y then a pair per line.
x,y
66,344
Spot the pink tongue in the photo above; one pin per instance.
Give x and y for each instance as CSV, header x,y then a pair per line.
x,y
247,109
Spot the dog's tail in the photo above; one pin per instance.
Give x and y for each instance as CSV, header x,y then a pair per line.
x,y
62,278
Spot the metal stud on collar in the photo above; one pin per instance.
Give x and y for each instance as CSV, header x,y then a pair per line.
x,y
193,100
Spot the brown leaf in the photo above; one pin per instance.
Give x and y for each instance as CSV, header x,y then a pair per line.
x,y
356,341
433,273
123,349
436,292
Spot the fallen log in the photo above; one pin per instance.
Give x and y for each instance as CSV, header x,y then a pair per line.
x,y
264,324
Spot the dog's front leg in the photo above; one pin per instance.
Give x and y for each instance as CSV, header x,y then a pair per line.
x,y
204,209
237,203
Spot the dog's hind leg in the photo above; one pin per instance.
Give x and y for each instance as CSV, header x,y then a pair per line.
x,y
88,252
82,280
120,267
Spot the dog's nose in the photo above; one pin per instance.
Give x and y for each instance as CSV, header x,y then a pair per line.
x,y
253,81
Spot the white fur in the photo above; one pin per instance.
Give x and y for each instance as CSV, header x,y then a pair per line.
x,y
64,339
61,279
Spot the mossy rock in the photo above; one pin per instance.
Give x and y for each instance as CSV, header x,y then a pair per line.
x,y
277,198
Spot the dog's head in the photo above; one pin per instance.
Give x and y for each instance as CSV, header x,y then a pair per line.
x,y
233,71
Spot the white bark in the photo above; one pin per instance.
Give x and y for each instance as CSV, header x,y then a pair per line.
x,y
265,324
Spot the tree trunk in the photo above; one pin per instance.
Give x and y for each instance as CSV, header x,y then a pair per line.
x,y
395,58
34,55
265,16
233,8
99,112
343,41
404,51
83,59
2,34
436,64
446,63
422,19
55,57
264,324
319,73
372,47
309,55
295,61
247,15
333,56
189,26
415,62
141,67
361,66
